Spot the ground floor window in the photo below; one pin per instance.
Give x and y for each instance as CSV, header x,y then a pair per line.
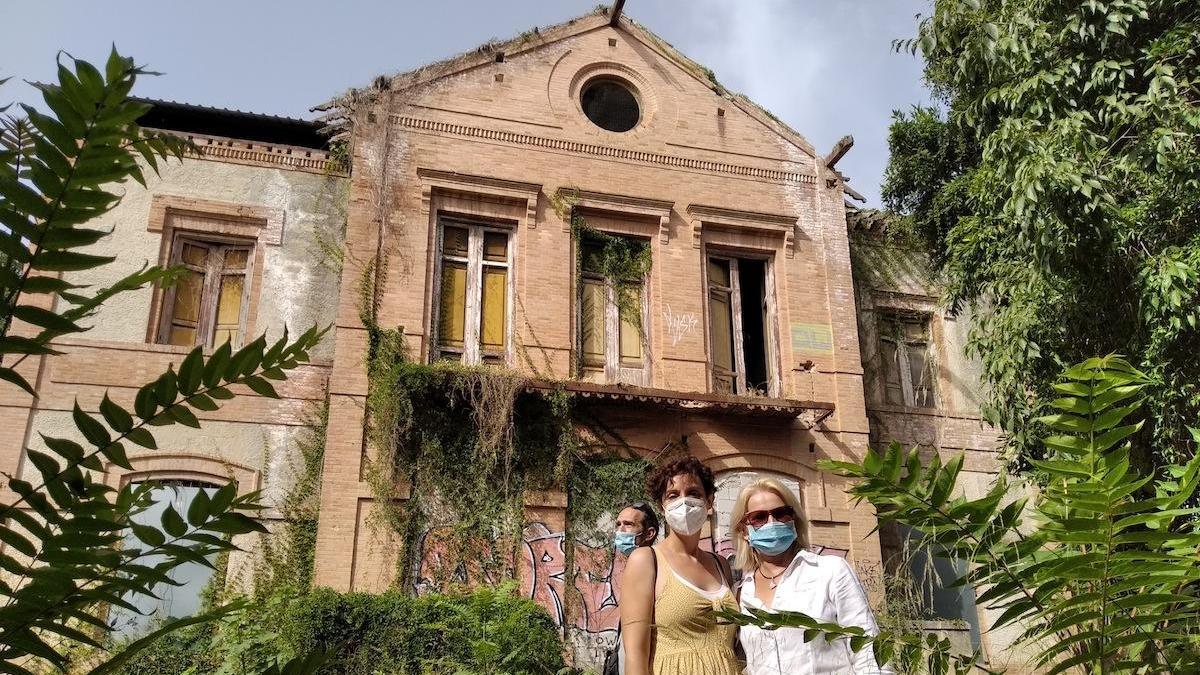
x,y
932,578
173,601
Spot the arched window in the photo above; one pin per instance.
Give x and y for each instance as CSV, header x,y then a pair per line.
x,y
172,601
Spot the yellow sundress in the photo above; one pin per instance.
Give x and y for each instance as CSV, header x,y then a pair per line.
x,y
688,639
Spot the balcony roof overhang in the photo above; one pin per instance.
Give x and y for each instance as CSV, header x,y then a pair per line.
x,y
809,413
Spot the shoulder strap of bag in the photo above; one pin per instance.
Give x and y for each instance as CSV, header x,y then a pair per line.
x,y
653,581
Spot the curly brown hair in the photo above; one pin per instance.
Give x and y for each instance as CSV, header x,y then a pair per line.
x,y
656,482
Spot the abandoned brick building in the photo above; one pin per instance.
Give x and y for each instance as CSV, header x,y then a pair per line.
x,y
776,326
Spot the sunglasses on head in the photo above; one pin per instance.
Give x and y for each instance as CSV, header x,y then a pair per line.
x,y
782,514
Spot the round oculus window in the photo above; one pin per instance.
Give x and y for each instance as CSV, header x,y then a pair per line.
x,y
610,105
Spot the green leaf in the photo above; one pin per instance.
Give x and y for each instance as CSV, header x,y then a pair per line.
x,y
202,402
245,361
116,416
151,536
70,261
191,371
92,430
173,523
145,404
185,417
222,498
166,388
12,376
214,370
15,344
11,538
115,452
128,651
198,510
261,387
43,318
65,448
142,437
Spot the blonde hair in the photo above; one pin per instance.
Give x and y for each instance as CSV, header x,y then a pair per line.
x,y
746,558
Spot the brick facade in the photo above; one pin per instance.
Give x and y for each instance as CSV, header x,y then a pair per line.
x,y
497,141
498,136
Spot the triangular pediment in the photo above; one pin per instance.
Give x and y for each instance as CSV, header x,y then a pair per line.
x,y
531,85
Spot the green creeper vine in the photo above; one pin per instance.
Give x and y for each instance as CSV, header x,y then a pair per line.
x,y
469,442
287,556
623,261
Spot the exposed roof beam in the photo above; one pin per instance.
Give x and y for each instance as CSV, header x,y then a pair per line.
x,y
839,151
615,14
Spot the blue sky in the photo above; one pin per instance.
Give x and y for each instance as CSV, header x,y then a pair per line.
x,y
824,67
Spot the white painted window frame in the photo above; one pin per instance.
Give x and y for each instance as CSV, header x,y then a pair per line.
x,y
903,346
614,370
471,352
770,322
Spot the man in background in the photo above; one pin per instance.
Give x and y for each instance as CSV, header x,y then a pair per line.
x,y
637,525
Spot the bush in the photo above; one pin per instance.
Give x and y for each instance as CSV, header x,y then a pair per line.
x,y
176,652
487,631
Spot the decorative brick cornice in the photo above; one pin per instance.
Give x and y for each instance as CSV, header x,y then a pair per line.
x,y
719,217
623,204
262,223
604,151
254,153
502,188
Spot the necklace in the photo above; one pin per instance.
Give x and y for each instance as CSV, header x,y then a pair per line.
x,y
771,579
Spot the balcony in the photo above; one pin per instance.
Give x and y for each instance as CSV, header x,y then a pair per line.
x,y
809,413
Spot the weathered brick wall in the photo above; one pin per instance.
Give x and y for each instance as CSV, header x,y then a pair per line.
x,y
891,277
250,440
499,141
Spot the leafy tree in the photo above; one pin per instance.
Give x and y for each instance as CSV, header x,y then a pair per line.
x,y
1061,192
1098,567
65,556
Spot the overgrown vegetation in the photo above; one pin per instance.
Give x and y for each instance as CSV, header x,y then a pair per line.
x,y
1060,192
286,557
486,631
456,449
74,546
469,443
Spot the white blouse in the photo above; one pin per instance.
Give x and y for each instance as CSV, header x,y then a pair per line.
x,y
825,588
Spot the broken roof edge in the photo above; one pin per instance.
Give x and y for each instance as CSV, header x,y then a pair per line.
x,y
167,115
538,37
871,221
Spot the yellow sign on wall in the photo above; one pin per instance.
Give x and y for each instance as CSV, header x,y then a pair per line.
x,y
812,338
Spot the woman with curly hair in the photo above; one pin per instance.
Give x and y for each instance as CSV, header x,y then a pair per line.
x,y
671,591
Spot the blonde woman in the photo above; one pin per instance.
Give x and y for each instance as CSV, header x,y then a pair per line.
x,y
780,574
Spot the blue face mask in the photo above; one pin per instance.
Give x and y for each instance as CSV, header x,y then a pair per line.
x,y
773,538
625,542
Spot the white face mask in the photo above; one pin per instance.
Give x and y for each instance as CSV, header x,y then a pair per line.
x,y
686,515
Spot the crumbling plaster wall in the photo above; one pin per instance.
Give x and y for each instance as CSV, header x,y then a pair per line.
x,y
250,439
297,291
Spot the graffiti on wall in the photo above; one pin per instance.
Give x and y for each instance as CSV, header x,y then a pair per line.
x,y
541,566
678,325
